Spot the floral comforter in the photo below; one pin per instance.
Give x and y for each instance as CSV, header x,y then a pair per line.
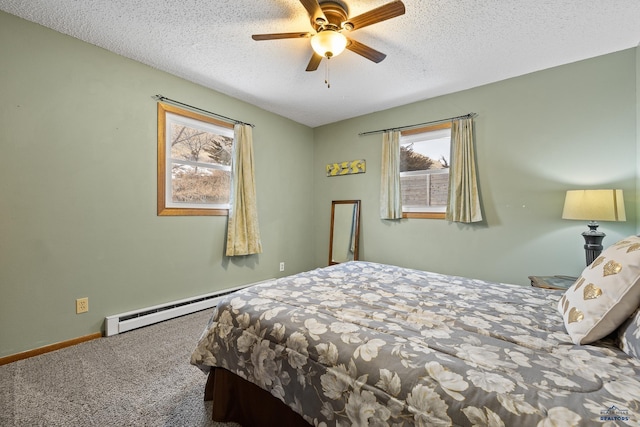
x,y
370,344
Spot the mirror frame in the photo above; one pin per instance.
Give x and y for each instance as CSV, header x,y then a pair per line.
x,y
356,246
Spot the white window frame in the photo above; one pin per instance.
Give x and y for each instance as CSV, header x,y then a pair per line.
x,y
419,135
169,115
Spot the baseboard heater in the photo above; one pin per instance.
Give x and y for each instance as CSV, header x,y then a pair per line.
x,y
124,322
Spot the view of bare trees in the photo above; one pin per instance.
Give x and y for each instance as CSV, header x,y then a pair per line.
x,y
413,161
197,157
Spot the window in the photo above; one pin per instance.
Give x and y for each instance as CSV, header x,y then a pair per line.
x,y
424,171
194,163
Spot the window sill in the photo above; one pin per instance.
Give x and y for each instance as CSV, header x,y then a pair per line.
x,y
192,212
424,215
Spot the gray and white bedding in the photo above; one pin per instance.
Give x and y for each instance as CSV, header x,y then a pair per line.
x,y
360,344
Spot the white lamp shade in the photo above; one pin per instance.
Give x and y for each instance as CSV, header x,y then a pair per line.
x,y
328,43
594,205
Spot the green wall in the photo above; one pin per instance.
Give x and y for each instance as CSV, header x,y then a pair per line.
x,y
78,183
638,129
78,191
537,135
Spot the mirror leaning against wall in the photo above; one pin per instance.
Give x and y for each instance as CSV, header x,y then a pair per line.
x,y
344,235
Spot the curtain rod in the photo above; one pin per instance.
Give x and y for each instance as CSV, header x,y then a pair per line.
x,y
228,119
469,115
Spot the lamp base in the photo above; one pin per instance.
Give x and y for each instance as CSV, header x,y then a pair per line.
x,y
593,242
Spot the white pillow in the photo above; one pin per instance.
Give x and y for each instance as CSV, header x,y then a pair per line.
x,y
605,295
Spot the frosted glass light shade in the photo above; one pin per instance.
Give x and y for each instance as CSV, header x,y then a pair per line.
x,y
328,43
594,205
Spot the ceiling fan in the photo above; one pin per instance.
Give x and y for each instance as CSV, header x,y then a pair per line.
x,y
330,19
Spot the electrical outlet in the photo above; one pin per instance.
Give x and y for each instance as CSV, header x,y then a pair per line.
x,y
82,305
282,266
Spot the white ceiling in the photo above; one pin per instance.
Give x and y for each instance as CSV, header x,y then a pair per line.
x,y
437,47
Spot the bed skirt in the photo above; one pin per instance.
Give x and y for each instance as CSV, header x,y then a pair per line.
x,y
238,400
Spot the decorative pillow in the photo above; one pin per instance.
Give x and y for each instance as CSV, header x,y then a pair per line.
x,y
629,335
605,295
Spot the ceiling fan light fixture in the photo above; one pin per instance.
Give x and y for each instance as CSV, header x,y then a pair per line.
x,y
328,43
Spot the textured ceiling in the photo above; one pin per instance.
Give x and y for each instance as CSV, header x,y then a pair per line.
x,y
437,47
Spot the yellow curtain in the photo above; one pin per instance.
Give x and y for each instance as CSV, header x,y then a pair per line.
x,y
390,195
463,202
243,234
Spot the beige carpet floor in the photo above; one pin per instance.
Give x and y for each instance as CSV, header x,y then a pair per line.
x,y
138,378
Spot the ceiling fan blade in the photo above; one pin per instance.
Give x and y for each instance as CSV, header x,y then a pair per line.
x,y
363,50
313,9
276,36
314,62
379,14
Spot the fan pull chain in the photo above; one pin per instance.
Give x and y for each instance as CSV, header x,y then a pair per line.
x,y
327,76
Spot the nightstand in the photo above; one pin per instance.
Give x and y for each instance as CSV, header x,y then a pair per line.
x,y
552,282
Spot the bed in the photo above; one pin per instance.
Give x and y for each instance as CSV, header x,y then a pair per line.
x,y
363,343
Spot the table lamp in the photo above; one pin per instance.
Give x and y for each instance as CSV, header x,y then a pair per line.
x,y
593,206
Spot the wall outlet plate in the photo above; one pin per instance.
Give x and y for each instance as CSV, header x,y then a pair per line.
x,y
82,305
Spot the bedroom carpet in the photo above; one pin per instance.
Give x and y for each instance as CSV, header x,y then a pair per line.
x,y
139,378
